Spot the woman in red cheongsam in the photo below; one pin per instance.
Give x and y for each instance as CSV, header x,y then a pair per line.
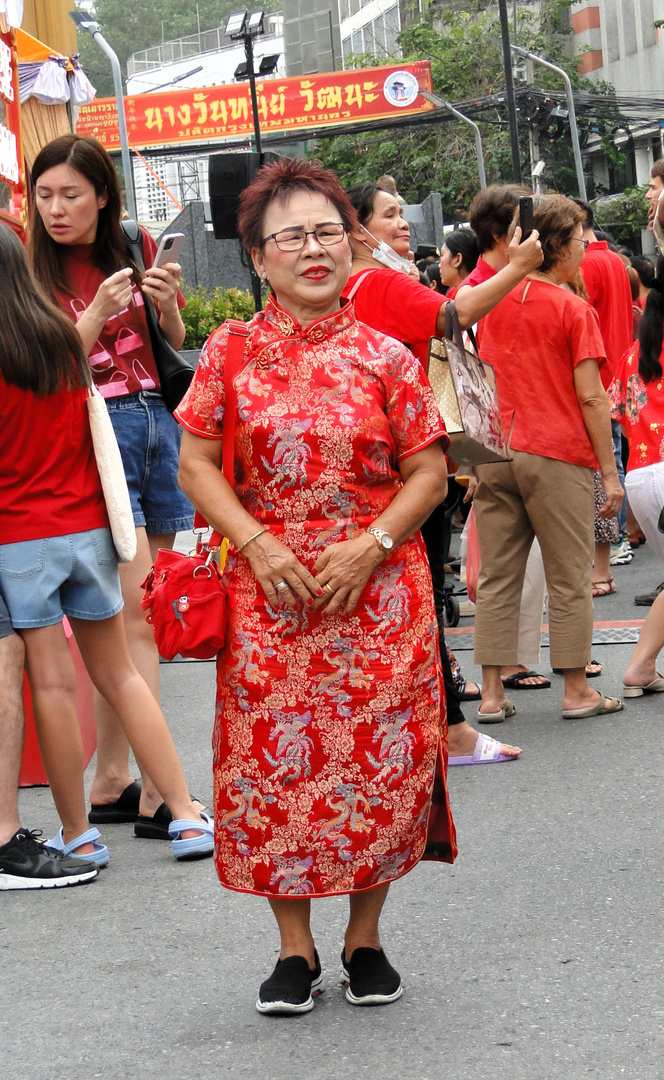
x,y
329,723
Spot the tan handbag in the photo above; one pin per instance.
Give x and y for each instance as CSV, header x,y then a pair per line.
x,y
112,476
465,391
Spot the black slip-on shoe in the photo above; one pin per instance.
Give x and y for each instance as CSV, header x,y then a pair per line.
x,y
291,988
26,863
123,811
648,599
369,977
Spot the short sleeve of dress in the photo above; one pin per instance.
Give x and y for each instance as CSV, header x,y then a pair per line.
x,y
411,408
201,410
617,391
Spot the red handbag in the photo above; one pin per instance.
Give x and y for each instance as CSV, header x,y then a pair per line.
x,y
184,597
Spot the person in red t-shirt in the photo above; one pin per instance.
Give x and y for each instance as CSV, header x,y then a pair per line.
x,y
80,258
609,293
545,346
388,300
57,558
637,397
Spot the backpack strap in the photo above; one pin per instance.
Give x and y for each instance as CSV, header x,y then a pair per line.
x,y
237,335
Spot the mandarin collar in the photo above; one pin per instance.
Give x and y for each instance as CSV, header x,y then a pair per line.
x,y
275,320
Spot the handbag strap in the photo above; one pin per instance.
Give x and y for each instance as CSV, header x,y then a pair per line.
x,y
453,331
237,335
134,241
362,277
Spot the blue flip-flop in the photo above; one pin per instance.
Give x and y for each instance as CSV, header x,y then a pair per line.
x,y
192,847
99,856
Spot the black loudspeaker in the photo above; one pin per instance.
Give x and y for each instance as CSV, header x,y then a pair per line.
x,y
229,175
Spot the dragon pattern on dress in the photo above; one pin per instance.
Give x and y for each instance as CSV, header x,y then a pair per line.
x,y
327,728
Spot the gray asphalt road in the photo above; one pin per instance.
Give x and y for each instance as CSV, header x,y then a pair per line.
x,y
538,956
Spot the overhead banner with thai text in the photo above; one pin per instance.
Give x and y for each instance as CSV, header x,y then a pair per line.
x,y
222,112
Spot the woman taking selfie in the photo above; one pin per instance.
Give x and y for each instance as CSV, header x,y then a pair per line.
x,y
80,258
57,558
329,721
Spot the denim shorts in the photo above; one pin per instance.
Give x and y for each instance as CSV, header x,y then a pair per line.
x,y
75,574
6,628
149,441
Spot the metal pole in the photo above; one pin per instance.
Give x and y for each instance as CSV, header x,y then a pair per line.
x,y
440,103
122,122
574,131
249,53
509,87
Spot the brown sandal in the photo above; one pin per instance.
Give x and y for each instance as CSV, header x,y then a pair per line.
x,y
604,588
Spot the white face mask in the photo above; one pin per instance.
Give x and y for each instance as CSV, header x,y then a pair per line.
x,y
386,255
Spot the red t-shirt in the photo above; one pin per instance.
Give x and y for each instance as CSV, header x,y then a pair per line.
x,y
639,407
121,359
398,306
49,484
482,272
535,338
607,283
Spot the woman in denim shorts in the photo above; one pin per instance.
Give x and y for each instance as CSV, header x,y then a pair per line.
x,y
57,558
80,258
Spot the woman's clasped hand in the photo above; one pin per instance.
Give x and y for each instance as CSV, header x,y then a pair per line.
x,y
341,572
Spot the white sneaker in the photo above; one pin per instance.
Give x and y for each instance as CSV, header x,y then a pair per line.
x,y
621,554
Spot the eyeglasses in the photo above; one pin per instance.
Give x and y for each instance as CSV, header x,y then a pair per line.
x,y
327,235
581,241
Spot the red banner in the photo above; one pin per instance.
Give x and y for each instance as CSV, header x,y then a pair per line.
x,y
222,112
12,177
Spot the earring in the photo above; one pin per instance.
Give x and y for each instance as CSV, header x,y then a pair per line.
x,y
264,276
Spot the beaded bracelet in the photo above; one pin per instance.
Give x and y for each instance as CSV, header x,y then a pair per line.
x,y
259,533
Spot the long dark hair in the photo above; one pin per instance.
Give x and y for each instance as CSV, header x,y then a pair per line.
x,y
651,333
109,252
40,349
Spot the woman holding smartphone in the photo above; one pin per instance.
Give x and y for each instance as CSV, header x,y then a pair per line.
x,y
80,258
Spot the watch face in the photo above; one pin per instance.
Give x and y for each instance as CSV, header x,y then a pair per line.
x,y
386,542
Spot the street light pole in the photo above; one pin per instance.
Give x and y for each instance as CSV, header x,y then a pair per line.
x,y
569,94
91,27
440,103
249,53
509,87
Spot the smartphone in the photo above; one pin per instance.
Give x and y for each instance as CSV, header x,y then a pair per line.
x,y
525,216
170,248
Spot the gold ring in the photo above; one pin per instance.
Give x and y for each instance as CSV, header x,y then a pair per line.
x,y
327,586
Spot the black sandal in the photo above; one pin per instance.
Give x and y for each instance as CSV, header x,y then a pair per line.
x,y
124,809
517,681
156,827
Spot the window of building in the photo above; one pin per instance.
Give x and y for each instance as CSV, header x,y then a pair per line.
x,y
378,37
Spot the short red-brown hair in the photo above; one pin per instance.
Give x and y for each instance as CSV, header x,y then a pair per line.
x,y
278,181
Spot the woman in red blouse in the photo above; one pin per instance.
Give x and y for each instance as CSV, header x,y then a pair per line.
x,y
637,395
81,259
57,558
546,348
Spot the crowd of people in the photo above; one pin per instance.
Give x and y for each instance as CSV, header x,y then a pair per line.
x,y
339,705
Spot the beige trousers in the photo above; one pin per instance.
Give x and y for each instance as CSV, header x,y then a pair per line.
x,y
552,500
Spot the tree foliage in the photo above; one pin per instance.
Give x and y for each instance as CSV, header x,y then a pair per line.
x,y
624,216
464,48
140,24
